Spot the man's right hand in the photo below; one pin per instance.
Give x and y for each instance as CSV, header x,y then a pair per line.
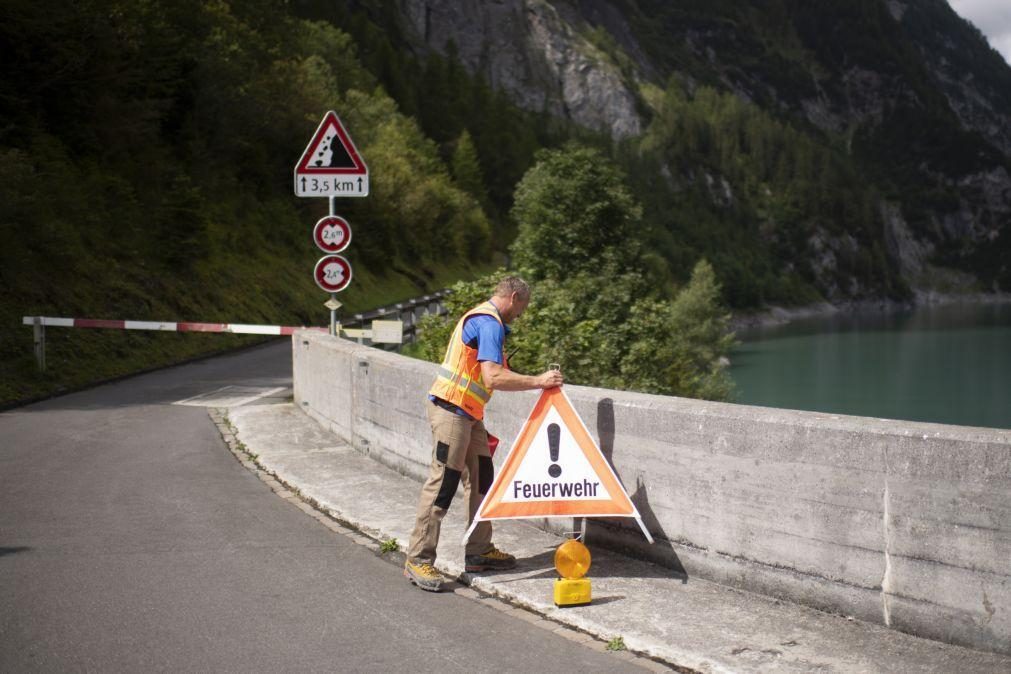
x,y
550,379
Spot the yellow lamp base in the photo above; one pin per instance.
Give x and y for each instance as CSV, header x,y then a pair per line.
x,y
572,592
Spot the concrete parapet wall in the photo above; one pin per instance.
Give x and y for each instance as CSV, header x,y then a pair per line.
x,y
902,523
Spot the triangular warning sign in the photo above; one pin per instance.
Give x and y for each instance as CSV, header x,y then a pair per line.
x,y
331,151
555,469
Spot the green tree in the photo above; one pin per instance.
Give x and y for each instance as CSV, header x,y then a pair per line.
x,y
689,355
574,214
467,168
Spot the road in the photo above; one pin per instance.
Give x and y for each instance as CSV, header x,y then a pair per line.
x,y
132,540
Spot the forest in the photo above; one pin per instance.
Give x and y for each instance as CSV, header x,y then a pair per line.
x,y
146,152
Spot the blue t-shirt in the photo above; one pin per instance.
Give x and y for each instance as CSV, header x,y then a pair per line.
x,y
486,334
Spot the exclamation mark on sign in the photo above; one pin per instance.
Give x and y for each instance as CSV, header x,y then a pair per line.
x,y
554,435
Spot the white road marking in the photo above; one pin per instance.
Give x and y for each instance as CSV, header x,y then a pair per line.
x,y
229,396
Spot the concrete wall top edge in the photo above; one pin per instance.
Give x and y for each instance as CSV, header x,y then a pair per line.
x,y
704,408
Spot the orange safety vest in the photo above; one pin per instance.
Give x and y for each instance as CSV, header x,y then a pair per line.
x,y
459,381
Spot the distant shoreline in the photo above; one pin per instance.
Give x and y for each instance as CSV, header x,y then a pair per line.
x,y
775,315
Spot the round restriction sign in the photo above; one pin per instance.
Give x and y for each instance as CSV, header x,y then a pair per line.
x,y
332,234
333,273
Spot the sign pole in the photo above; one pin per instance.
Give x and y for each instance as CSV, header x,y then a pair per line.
x,y
333,296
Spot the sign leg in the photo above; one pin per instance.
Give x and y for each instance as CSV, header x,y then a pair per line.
x,y
470,530
645,531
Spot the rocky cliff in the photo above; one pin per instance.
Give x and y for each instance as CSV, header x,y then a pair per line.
x,y
536,51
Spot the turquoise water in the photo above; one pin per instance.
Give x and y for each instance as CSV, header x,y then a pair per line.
x,y
947,364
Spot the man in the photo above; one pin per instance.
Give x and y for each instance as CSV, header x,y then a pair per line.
x,y
475,365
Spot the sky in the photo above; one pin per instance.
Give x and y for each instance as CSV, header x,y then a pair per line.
x,y
992,17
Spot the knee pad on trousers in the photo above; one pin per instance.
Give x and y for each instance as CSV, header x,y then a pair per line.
x,y
485,474
450,481
442,452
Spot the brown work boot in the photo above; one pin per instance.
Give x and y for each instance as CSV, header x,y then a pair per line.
x,y
493,560
424,576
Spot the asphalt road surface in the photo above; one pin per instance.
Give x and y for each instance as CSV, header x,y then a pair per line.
x,y
132,540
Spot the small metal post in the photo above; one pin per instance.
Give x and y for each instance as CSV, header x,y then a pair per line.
x,y
40,342
407,318
333,305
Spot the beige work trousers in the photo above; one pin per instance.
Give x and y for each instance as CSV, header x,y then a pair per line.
x,y
460,453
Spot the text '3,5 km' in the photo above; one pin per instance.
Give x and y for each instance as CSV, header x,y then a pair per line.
x,y
324,187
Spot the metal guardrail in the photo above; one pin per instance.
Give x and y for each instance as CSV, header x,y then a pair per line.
x,y
409,312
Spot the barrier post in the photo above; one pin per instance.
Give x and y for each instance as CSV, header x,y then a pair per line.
x,y
39,328
333,316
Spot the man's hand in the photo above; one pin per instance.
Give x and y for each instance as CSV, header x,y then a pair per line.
x,y
550,379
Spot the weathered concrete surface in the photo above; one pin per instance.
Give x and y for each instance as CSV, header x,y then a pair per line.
x,y
695,623
901,523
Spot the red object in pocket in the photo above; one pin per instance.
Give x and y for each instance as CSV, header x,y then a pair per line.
x,y
492,444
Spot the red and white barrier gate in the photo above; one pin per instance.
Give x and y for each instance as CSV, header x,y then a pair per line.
x,y
40,323
235,328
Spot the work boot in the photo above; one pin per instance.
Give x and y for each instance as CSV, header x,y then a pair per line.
x,y
493,560
424,576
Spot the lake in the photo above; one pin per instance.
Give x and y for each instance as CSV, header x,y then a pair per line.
x,y
948,364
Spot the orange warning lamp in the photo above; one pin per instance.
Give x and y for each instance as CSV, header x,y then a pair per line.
x,y
572,561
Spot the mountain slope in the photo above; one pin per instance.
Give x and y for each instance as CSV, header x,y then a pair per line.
x,y
904,98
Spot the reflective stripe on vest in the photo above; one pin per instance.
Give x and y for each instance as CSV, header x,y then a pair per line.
x,y
462,381
459,379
